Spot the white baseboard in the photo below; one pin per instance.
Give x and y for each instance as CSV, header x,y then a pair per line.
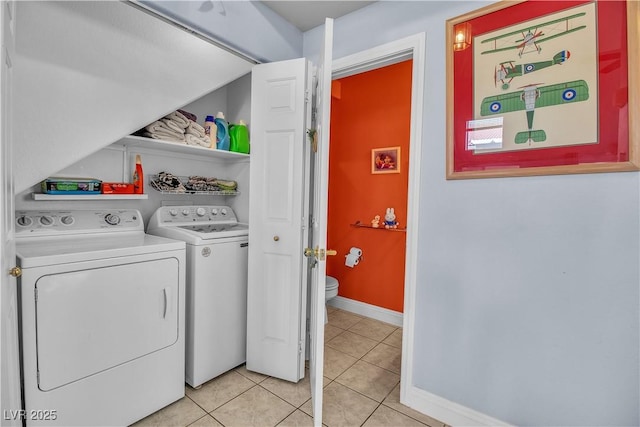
x,y
448,412
367,310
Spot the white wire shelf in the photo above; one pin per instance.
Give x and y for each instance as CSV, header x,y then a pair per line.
x,y
183,185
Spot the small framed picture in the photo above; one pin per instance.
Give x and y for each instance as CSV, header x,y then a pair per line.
x,y
385,160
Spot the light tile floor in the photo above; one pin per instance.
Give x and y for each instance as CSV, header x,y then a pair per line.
x,y
361,387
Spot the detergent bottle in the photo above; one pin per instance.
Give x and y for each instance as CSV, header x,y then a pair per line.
x,y
222,135
239,138
138,177
210,130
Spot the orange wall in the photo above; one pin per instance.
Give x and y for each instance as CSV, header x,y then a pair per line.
x,y
369,110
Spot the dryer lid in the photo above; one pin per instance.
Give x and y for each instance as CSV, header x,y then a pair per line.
x,y
55,250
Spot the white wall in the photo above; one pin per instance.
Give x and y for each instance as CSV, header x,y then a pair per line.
x,y
528,288
247,26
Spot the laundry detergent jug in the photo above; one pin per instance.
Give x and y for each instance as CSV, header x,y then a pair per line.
x,y
239,138
222,135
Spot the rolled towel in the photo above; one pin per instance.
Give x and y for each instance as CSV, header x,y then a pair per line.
x,y
161,128
195,140
195,129
191,140
173,125
179,118
165,137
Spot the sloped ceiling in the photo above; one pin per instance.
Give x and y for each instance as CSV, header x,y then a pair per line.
x,y
88,73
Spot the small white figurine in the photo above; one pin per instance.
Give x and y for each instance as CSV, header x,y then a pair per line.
x,y
390,219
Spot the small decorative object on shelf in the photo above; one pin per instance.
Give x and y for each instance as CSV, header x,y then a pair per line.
x,y
390,219
168,183
375,222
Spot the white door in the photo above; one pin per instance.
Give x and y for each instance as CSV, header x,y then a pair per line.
x,y
319,220
10,374
276,296
279,217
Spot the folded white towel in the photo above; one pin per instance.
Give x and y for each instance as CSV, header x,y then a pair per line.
x,y
195,129
194,140
159,127
179,118
174,126
165,137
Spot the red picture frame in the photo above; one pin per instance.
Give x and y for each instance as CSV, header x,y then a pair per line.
x,y
616,94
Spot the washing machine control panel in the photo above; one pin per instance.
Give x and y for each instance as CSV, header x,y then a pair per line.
x,y
175,215
44,222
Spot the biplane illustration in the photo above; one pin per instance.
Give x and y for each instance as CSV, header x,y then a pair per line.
x,y
528,39
531,97
506,71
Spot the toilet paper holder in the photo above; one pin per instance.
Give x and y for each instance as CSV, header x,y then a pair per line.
x,y
353,257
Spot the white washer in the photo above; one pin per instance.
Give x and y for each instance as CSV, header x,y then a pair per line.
x,y
217,254
102,317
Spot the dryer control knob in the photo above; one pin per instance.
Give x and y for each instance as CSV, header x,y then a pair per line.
x,y
223,211
214,211
46,220
24,221
173,212
185,212
112,219
201,211
67,220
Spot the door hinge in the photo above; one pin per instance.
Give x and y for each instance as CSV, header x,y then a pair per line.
x,y
307,97
299,347
38,377
35,294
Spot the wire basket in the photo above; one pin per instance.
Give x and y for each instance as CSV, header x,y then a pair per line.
x,y
167,183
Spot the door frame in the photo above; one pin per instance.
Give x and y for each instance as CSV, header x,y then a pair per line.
x,y
412,47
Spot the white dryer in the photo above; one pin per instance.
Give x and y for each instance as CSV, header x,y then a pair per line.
x,y
102,317
217,268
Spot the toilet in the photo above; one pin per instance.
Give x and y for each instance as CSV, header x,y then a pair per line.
x,y
331,291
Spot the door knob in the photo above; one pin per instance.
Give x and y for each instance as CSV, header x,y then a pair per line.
x,y
16,272
276,238
319,254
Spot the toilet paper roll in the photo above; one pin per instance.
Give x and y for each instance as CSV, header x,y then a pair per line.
x,y
355,251
351,260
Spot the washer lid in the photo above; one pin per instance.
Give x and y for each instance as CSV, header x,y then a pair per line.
x,y
38,252
213,231
198,234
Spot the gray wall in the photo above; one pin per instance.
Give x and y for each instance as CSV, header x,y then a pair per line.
x,y
528,288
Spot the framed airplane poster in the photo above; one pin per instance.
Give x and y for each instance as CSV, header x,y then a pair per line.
x,y
539,88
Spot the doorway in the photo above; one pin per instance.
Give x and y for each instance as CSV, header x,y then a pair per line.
x,y
410,48
370,121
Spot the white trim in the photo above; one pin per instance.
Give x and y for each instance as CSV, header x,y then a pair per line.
x,y
367,310
447,411
409,47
